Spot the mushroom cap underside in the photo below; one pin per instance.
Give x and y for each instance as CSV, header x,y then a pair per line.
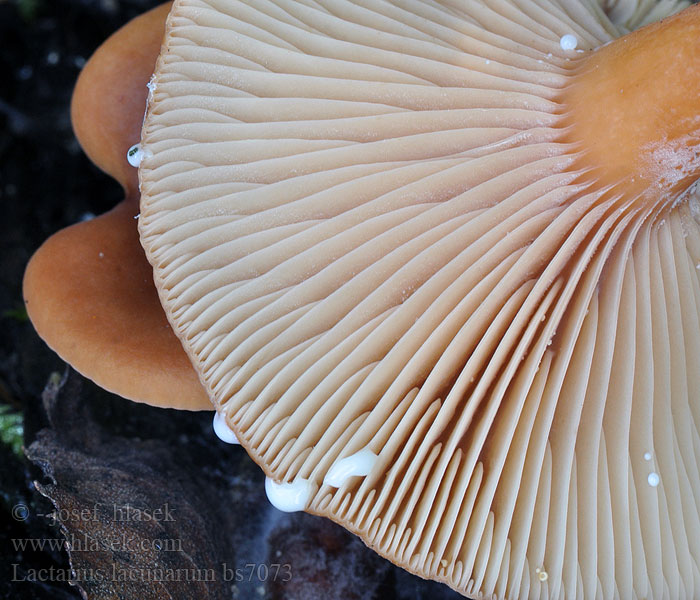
x,y
373,233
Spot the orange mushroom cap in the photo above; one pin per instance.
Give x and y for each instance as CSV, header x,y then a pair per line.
x,y
88,289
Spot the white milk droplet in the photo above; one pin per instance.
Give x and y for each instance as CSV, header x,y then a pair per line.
x,y
653,479
134,155
223,431
647,456
360,463
151,85
568,42
288,497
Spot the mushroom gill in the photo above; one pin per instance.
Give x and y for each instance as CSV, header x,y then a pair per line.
x,y
430,291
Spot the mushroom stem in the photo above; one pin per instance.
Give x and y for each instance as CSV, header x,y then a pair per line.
x,y
634,106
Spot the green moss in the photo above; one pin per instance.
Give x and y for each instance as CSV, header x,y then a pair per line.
x,y
29,9
11,429
18,314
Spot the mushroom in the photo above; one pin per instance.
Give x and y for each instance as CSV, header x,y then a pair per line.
x,y
89,289
474,344
436,265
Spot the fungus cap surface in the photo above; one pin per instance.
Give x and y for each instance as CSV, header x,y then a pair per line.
x,y
377,234
89,289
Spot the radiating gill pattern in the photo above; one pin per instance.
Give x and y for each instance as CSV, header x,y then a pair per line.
x,y
629,15
370,237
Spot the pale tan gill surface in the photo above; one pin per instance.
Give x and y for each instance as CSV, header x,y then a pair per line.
x,y
367,232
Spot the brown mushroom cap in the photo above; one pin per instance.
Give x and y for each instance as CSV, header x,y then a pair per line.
x,y
89,289
374,229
